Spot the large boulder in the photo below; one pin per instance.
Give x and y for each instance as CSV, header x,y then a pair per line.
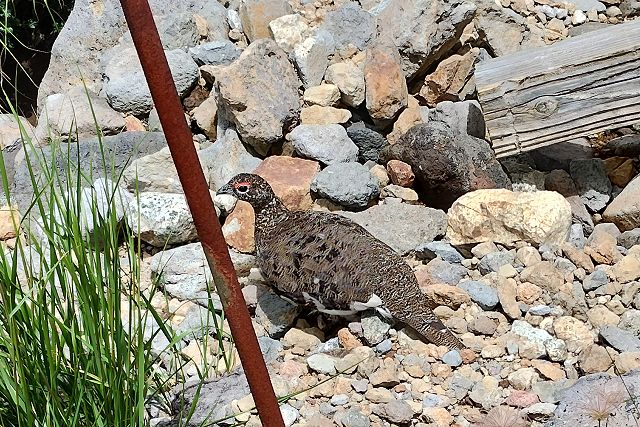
x,y
95,27
504,216
447,163
259,92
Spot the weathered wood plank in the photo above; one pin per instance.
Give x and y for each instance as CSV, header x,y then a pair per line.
x,y
575,87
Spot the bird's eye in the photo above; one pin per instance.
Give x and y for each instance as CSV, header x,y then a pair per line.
x,y
243,188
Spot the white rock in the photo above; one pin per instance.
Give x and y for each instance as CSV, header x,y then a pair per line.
x,y
288,30
350,80
579,17
225,202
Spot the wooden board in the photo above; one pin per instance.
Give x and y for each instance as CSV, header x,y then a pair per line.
x,y
575,87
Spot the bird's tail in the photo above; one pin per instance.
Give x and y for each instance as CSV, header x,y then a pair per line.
x,y
419,317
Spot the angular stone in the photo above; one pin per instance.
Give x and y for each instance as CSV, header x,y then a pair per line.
x,y
544,275
465,117
559,180
409,117
629,238
401,226
446,295
574,332
350,80
288,31
325,95
560,155
10,130
255,16
239,228
369,143
505,216
620,339
218,52
318,115
347,184
592,183
602,244
594,359
327,143
386,88
624,210
447,163
262,68
9,222
400,173
482,294
290,178
206,117
311,57
351,26
600,316
628,268
450,77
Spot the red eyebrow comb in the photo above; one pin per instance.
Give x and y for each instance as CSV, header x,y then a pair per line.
x,y
239,184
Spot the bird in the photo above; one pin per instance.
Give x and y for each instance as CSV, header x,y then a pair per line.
x,y
328,261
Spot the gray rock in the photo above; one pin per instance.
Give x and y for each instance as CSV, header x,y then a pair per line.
x,y
326,143
199,321
384,347
125,85
322,363
444,250
586,5
311,57
576,236
452,358
630,7
422,30
347,184
465,116
270,348
620,339
273,313
67,115
350,25
153,172
580,214
369,142
263,68
90,31
594,280
374,328
289,414
339,399
446,163
183,272
119,151
540,310
161,219
226,158
445,272
400,225
493,261
482,294
396,411
560,155
355,418
592,183
630,238
219,52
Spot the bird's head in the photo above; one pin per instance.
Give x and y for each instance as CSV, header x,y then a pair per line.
x,y
250,188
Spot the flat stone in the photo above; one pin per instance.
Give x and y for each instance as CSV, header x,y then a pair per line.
x,y
444,250
482,294
386,88
446,295
629,238
620,339
255,16
347,184
544,275
324,95
594,280
560,155
318,115
351,26
400,173
325,143
322,363
487,392
218,52
290,178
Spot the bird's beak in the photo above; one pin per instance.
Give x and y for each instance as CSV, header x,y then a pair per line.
x,y
226,189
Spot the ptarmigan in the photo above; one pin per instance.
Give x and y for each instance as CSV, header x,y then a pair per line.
x,y
334,263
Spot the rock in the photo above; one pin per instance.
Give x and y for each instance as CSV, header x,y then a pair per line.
x,y
206,117
374,328
226,158
446,164
626,145
492,262
288,31
298,338
10,130
91,31
577,256
440,271
350,26
600,316
627,361
161,219
154,172
560,181
347,184
549,370
9,220
484,295
521,399
452,358
355,418
402,193
449,79
255,16
386,88
400,173
482,324
437,416
317,115
629,238
620,339
528,256
290,178
312,57
622,173
70,114
322,363
505,216
125,85
624,210
422,33
523,378
487,392
239,228
397,411
369,142
443,250
574,332
262,68
218,52
289,414
507,293
594,280
324,95
273,313
465,117
349,78
402,226
602,244
446,295
536,342
628,268
560,155
592,183
586,5
544,275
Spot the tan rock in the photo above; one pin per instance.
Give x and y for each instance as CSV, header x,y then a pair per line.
x,y
627,361
504,216
288,31
623,174
447,295
9,222
239,228
133,124
594,359
437,417
528,293
574,333
347,340
380,172
206,116
299,338
549,370
400,173
602,244
256,15
624,210
449,78
601,315
324,95
317,115
578,257
386,88
544,275
350,80
10,129
507,292
290,178
628,268
410,116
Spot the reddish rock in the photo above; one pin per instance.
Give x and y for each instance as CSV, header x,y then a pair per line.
x,y
624,210
385,85
522,399
291,369
623,174
400,173
468,355
7,217
290,178
448,81
239,228
347,340
133,124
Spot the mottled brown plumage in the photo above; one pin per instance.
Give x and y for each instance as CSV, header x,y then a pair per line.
x,y
333,262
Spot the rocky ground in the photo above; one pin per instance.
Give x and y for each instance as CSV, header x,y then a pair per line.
x,y
368,109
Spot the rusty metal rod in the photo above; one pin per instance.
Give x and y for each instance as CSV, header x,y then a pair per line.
x,y
180,140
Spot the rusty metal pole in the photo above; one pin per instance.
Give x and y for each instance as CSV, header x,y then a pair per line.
x,y
180,140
